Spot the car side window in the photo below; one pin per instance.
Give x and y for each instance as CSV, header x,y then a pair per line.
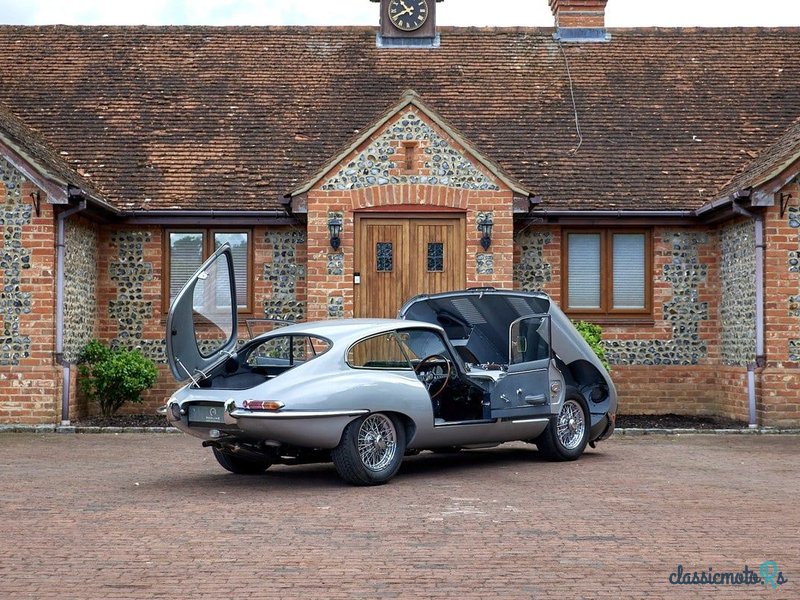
x,y
420,343
529,339
378,352
287,350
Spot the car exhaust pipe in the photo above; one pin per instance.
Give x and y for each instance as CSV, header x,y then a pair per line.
x,y
236,449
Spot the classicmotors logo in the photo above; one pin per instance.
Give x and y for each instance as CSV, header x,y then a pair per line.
x,y
768,575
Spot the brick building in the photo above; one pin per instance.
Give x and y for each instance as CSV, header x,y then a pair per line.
x,y
646,178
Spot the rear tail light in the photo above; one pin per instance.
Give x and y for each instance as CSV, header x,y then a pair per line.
x,y
262,405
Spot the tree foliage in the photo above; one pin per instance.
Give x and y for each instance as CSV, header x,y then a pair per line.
x,y
593,334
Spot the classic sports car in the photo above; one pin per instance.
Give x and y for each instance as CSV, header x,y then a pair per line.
x,y
457,370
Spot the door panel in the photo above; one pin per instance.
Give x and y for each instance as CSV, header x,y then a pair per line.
x,y
525,389
427,256
382,247
522,392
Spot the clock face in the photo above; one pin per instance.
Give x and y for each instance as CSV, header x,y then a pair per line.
x,y
408,15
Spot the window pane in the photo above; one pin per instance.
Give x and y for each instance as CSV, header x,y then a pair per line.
x,y
384,259
436,257
286,351
418,344
584,270
213,313
239,249
378,352
629,271
186,256
530,340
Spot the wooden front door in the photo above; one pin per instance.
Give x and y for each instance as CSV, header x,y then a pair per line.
x,y
400,258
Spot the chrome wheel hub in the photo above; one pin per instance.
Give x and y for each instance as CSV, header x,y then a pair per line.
x,y
571,425
377,442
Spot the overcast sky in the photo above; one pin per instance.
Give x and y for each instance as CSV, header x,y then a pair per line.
x,y
620,13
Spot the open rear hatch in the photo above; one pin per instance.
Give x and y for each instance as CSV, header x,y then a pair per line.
x,y
201,325
476,321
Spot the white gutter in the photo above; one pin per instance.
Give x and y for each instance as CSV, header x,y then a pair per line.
x,y
60,246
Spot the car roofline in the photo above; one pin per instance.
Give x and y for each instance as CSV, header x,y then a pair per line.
x,y
347,330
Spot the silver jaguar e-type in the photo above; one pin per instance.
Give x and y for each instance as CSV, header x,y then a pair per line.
x,y
463,369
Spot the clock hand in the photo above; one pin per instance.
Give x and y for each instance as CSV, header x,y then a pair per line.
x,y
405,12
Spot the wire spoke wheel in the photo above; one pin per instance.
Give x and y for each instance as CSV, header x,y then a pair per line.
x,y
377,442
571,424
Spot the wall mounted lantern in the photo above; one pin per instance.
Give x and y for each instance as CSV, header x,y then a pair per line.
x,y
485,227
335,229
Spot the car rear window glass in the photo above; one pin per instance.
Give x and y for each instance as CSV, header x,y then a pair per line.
x,y
378,352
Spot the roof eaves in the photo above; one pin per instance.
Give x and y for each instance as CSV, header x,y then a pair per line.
x,y
775,180
759,187
48,180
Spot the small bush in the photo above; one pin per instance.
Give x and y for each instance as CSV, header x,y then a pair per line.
x,y
113,377
593,334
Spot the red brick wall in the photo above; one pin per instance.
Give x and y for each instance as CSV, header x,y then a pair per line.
x,y
30,386
684,388
707,387
780,379
701,388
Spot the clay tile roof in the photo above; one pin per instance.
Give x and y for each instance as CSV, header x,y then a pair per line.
x,y
236,117
31,147
768,165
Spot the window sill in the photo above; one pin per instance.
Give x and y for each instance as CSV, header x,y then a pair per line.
x,y
240,317
613,319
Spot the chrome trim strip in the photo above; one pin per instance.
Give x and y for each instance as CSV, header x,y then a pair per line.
x,y
527,371
459,423
296,414
530,421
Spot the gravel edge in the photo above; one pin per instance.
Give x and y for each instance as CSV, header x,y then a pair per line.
x,y
19,428
628,431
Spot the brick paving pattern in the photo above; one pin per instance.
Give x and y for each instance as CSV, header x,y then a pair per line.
x,y
154,516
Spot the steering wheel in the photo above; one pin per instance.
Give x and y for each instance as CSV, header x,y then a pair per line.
x,y
431,375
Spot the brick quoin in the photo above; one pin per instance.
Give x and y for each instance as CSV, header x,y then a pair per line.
x,y
31,385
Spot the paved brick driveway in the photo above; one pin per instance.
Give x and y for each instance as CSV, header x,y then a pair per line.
x,y
153,516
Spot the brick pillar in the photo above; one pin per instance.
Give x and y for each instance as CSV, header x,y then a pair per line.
x,y
780,396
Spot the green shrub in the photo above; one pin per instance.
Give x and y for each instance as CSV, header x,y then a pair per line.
x,y
113,377
593,334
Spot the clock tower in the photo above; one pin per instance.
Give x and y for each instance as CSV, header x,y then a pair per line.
x,y
407,20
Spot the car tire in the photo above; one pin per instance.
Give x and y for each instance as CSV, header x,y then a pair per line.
x,y
567,433
371,449
240,466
